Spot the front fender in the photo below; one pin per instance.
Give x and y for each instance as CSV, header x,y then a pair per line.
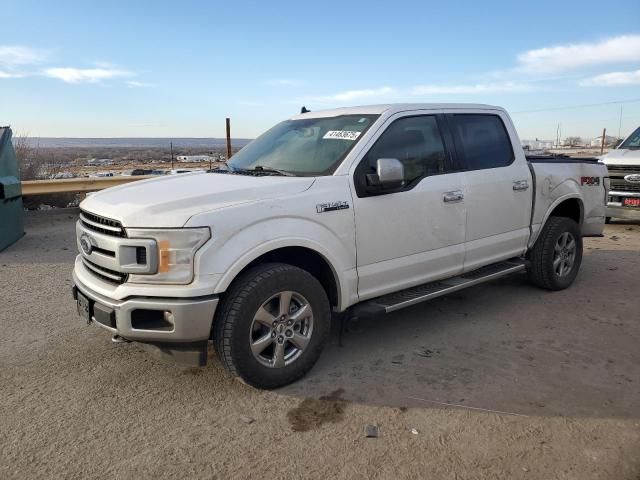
x,y
228,255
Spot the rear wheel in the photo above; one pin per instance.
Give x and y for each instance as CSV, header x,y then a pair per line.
x,y
555,259
273,324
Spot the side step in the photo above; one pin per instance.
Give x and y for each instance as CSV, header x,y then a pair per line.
x,y
422,293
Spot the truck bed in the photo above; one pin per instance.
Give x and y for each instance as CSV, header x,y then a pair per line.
x,y
558,177
559,158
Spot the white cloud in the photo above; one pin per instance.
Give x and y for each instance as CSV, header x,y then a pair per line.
x,y
84,75
624,48
14,55
136,84
14,59
5,74
351,95
419,90
613,79
506,87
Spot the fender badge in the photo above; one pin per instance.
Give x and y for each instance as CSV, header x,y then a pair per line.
x,y
589,181
331,206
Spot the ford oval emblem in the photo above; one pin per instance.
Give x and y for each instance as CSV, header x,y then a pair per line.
x,y
633,178
86,244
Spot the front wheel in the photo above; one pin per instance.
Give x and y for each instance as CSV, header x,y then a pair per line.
x,y
555,258
272,326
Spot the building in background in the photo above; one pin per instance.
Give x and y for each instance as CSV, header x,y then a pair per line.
x,y
537,144
99,161
609,141
195,158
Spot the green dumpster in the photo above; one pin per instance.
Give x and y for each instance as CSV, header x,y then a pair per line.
x,y
11,213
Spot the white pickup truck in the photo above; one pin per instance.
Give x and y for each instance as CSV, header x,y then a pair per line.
x,y
367,209
624,174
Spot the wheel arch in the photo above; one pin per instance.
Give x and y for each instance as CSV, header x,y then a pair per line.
x,y
302,256
569,206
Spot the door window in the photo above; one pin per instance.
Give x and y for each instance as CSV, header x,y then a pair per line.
x,y
482,140
416,142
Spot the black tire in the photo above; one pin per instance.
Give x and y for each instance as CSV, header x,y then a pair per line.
x,y
233,323
541,271
607,220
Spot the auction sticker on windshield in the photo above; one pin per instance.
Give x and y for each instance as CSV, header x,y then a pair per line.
x,y
342,135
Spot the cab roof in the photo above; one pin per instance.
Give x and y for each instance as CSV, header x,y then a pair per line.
x,y
391,108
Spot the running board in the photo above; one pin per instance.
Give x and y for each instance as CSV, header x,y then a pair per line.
x,y
411,296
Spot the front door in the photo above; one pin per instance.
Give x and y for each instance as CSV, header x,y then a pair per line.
x,y
412,234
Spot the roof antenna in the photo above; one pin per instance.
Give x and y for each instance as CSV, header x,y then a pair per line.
x,y
304,110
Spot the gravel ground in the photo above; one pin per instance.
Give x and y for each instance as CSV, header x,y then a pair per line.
x,y
498,381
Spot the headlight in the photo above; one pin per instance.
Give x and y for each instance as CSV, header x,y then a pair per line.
x,y
175,255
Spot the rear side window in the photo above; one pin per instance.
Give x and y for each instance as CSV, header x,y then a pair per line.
x,y
481,140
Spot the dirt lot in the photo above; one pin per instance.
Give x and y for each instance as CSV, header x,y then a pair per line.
x,y
499,381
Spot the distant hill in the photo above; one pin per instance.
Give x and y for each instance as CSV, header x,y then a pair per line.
x,y
61,142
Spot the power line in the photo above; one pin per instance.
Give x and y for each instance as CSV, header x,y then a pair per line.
x,y
586,105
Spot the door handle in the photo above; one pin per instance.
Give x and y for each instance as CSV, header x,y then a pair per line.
x,y
520,185
455,196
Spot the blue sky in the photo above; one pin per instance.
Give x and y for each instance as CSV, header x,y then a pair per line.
x,y
177,69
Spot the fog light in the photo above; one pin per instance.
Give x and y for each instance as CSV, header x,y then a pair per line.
x,y
142,319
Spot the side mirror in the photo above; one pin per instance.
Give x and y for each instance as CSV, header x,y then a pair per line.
x,y
390,174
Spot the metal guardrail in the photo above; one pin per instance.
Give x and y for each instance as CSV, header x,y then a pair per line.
x,y
71,185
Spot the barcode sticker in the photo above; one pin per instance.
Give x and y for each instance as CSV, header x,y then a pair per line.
x,y
342,135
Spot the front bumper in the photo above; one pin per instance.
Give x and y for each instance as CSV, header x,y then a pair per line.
x,y
191,318
616,210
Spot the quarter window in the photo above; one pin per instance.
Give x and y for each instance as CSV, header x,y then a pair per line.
x,y
416,142
482,140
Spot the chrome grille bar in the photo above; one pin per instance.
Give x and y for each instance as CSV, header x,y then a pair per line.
x,y
104,273
102,225
95,224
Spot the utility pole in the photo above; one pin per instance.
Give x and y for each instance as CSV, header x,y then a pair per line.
x,y
171,147
228,138
620,123
604,132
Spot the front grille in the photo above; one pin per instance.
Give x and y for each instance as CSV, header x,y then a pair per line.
x,y
622,186
104,273
622,170
102,225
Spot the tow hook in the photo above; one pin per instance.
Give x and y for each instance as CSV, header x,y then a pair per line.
x,y
119,339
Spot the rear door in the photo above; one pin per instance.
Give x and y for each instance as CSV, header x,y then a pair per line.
x,y
498,191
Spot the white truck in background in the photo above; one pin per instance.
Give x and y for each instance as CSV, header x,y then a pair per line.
x,y
367,209
623,164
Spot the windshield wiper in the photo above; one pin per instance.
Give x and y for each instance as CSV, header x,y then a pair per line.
x,y
277,171
266,170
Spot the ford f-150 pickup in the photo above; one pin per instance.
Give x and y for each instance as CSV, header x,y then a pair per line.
x,y
345,211
624,174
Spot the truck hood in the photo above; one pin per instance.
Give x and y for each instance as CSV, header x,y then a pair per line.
x,y
170,201
622,157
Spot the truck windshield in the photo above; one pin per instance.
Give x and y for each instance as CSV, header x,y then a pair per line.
x,y
633,141
304,147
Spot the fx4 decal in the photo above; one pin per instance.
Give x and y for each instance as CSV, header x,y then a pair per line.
x,y
331,206
590,181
